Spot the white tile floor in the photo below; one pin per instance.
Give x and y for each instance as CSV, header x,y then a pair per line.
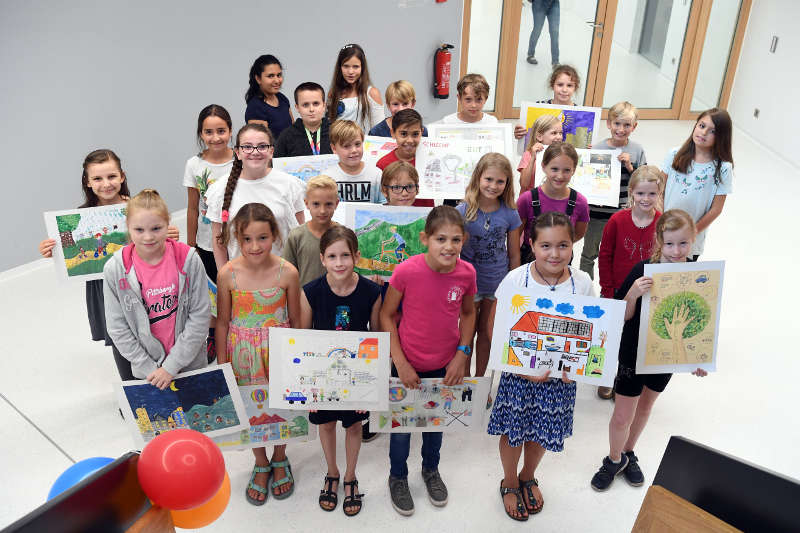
x,y
61,381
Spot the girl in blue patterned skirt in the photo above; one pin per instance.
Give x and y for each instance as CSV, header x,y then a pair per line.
x,y
534,413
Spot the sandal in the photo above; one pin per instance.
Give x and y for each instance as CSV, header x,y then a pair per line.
x,y
354,500
327,494
529,492
520,502
288,478
256,487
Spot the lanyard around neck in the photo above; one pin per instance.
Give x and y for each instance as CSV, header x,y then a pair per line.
x,y
553,288
314,147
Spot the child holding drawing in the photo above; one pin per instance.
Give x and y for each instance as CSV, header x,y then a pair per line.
x,y
255,291
340,300
636,393
432,339
564,81
545,131
534,413
493,226
103,182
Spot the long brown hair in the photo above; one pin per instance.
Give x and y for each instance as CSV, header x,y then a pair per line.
x,y
672,220
339,233
339,84
721,151
255,212
236,171
102,155
490,160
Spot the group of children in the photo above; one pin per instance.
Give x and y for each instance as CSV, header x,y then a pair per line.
x,y
247,231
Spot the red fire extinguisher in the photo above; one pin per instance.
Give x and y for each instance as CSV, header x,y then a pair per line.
x,y
441,71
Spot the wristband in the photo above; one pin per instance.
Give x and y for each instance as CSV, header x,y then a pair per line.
x,y
466,349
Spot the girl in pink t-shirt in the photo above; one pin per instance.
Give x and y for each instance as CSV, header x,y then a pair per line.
x,y
432,340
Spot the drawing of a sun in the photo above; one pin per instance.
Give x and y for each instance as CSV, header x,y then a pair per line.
x,y
519,303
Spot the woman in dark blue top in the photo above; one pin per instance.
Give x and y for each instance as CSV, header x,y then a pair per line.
x,y
265,103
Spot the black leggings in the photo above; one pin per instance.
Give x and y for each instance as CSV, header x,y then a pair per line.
x,y
123,365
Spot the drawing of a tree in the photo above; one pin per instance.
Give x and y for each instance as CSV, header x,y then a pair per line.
x,y
66,225
680,316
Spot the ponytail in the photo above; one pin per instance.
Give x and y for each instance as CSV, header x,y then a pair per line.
x,y
233,179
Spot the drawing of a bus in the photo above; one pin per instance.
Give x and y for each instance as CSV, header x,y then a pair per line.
x,y
295,397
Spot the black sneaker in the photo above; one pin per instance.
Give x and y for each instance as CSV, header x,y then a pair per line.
x,y
532,60
605,476
633,474
366,434
437,490
401,496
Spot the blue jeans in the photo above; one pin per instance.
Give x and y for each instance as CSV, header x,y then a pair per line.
x,y
400,443
550,9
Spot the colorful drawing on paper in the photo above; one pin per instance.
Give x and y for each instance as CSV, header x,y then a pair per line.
x,y
387,235
536,332
305,167
445,166
212,296
497,137
267,426
680,318
205,400
376,147
579,123
597,176
433,406
326,370
86,239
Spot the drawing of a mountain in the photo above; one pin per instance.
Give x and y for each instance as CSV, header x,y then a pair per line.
x,y
265,419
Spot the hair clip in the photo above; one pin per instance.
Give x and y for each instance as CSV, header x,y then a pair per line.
x,y
345,47
225,215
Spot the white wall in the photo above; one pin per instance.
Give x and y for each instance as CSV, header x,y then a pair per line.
x,y
132,76
768,81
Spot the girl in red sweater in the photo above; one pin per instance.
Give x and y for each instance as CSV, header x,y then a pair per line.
x,y
628,236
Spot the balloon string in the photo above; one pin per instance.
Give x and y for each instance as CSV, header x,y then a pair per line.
x,y
59,448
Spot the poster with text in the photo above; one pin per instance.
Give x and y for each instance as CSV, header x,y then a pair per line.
x,y
679,322
433,407
498,137
445,166
86,239
597,175
537,331
580,124
328,370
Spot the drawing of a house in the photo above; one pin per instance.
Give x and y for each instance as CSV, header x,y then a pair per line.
x,y
368,349
338,375
544,337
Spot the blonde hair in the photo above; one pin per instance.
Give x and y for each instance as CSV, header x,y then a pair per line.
x,y
542,125
400,90
672,220
623,110
478,83
149,200
490,160
644,174
345,130
392,170
321,182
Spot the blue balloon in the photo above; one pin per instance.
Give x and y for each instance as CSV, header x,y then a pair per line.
x,y
76,473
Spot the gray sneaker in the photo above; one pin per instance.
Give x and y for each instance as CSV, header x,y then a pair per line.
x,y
401,496
437,490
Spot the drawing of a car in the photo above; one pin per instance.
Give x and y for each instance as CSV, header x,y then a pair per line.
x,y
295,397
333,396
702,278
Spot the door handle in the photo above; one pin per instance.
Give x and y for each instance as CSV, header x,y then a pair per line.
x,y
594,24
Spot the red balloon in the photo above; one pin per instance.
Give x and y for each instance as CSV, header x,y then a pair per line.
x,y
181,469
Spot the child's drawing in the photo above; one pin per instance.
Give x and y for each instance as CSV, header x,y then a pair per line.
x,y
445,166
86,239
325,370
305,167
679,323
579,123
212,296
535,332
376,147
433,407
597,175
267,426
206,400
387,235
497,137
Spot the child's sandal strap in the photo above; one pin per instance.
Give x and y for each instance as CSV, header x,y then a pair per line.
x,y
354,500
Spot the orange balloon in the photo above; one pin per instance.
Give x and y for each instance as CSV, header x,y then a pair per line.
x,y
208,512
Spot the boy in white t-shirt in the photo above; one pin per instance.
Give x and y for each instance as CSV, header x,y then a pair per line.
x,y
473,91
356,181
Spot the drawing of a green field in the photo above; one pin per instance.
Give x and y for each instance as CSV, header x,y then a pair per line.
x,y
90,237
387,239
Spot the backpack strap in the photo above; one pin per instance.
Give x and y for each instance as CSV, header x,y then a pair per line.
x,y
536,205
573,196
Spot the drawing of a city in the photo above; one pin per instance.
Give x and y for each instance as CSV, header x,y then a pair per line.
x,y
597,176
445,166
433,407
535,333
680,317
327,370
205,400
266,426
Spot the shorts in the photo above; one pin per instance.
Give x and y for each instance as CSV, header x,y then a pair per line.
x,y
347,418
484,296
208,262
629,383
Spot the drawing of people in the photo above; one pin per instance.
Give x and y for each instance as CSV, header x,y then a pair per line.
x,y
100,244
466,394
401,244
